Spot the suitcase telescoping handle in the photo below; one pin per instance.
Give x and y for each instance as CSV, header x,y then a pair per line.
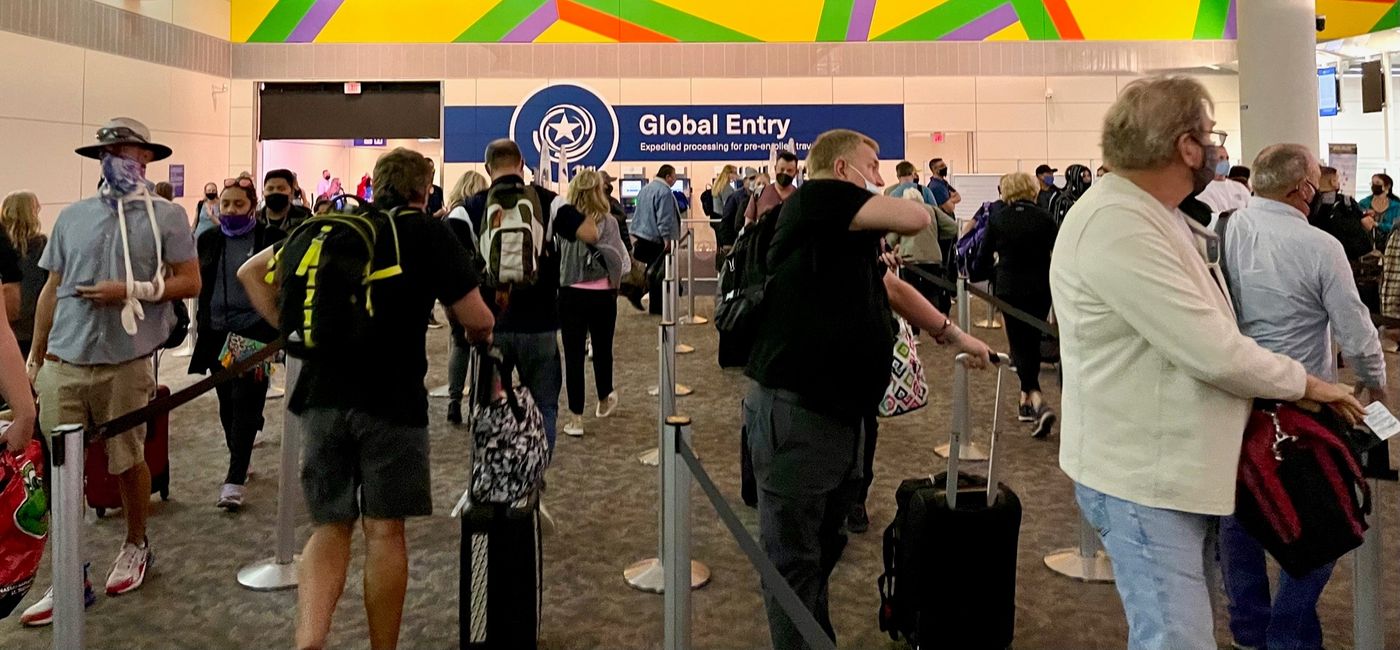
x,y
962,409
474,353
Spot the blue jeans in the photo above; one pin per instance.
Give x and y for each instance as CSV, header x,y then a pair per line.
x,y
1290,622
1159,565
536,356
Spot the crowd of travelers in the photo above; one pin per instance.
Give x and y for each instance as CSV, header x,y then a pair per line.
x,y
1179,284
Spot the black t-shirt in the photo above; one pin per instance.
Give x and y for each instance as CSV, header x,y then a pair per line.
x,y
826,331
435,200
10,270
534,308
386,379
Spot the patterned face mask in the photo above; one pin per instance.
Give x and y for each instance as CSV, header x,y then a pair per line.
x,y
122,174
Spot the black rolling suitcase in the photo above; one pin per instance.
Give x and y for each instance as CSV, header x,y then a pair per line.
x,y
950,556
502,563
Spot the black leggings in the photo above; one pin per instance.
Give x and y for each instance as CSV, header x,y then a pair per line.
x,y
584,313
241,412
1024,339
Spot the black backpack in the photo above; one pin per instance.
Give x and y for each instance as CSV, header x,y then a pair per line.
x,y
743,278
327,273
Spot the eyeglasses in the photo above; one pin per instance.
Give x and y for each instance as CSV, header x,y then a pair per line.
x,y
1216,138
118,133
241,182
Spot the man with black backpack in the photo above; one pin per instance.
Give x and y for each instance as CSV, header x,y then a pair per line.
x,y
371,280
517,222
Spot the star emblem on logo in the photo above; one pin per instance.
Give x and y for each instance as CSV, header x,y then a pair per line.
x,y
565,128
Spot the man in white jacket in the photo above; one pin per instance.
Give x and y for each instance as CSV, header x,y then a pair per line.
x,y
1158,379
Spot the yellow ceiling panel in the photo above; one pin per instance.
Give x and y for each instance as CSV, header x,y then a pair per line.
x,y
1129,20
890,14
403,21
1014,32
1349,17
775,22
562,32
246,15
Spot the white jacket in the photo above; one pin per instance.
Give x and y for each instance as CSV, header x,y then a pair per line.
x,y
1158,378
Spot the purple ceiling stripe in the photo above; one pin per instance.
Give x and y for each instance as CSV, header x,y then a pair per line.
x,y
981,28
859,27
1231,26
314,21
534,25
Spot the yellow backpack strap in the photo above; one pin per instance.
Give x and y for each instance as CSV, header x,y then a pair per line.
x,y
310,262
397,269
271,277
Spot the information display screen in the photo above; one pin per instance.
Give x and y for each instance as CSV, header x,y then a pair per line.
x,y
631,188
1327,95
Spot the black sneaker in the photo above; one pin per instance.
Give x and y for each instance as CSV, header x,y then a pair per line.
x,y
454,412
1045,422
634,296
858,521
1026,414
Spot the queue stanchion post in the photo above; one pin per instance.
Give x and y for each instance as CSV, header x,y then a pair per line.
x,y
649,575
1086,562
1368,622
67,530
967,449
691,318
669,304
280,571
675,489
990,322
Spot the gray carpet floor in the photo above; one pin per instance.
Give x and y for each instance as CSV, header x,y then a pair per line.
x,y
605,504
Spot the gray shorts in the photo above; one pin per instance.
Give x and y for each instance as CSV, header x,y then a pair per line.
x,y
355,463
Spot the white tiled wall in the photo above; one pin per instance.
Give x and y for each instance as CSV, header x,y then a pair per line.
x,y
208,16
69,92
1366,131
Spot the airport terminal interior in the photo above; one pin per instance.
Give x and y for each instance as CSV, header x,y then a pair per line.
x,y
637,89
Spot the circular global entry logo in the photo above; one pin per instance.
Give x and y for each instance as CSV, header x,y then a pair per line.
x,y
570,121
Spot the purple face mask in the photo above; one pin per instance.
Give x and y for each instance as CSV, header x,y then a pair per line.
x,y
236,225
123,175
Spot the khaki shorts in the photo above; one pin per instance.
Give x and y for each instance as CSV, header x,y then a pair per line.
x,y
91,395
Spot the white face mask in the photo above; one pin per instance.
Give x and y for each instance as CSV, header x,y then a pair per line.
x,y
869,186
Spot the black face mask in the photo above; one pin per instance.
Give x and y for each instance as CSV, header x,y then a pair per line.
x,y
1203,175
943,173
278,202
1377,190
211,196
784,179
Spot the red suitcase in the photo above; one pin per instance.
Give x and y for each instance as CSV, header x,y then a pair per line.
x,y
101,487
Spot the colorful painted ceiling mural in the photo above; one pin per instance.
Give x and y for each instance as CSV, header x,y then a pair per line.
x,y
699,21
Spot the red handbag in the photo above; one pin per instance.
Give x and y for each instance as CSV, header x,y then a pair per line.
x,y
1301,492
24,522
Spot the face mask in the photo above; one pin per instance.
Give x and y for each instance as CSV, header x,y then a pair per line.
x,y
784,180
278,202
1328,198
1203,175
1222,168
943,173
236,225
1048,179
327,177
123,175
1377,190
210,196
869,186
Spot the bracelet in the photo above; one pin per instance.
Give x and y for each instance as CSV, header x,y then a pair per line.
x,y
938,336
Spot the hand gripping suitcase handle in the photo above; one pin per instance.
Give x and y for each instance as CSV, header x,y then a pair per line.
x,y
961,425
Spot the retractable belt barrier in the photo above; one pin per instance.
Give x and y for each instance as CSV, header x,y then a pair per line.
x,y
1001,305
802,618
69,444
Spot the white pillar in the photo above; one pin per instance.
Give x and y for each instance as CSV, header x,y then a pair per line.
x,y
1277,45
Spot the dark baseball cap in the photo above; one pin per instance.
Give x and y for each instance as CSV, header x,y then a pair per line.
x,y
1045,169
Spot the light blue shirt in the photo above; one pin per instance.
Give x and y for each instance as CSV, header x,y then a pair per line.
x,y
657,217
1294,291
897,192
86,248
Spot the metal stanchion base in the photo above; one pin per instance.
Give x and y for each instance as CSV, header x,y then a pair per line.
x,y
681,391
987,324
694,320
269,575
682,348
650,457
441,392
970,452
1068,562
648,576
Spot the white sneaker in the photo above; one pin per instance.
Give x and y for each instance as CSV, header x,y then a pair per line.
x,y
275,392
574,425
129,571
41,613
231,497
607,406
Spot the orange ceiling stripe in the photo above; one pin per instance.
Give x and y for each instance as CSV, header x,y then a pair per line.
x,y
606,25
1063,18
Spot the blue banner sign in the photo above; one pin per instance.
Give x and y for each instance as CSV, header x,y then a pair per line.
x,y
370,142
574,121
